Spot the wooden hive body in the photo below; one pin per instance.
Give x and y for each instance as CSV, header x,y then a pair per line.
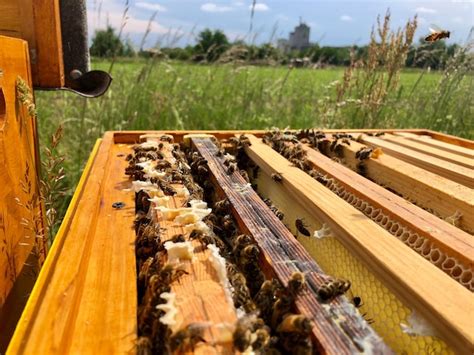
x,y
85,299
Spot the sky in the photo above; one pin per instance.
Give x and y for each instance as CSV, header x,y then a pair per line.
x,y
332,22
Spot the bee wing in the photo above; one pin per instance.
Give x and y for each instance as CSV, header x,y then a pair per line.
x,y
433,28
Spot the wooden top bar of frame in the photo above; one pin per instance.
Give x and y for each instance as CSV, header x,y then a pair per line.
x,y
283,255
454,172
428,290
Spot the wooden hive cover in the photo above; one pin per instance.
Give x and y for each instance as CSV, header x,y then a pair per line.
x,y
37,22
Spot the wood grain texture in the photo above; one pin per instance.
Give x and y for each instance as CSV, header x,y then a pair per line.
x,y
85,298
462,142
38,23
424,188
445,236
19,181
429,141
431,151
428,290
454,172
283,255
134,136
200,297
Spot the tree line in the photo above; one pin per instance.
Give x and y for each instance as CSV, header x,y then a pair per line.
x,y
214,46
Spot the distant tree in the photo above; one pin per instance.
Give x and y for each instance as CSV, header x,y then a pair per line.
x,y
211,44
106,44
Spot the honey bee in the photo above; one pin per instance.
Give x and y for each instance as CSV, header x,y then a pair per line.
x,y
295,323
170,273
202,171
244,140
262,339
249,254
178,238
363,153
361,168
379,134
231,168
265,299
228,223
357,301
142,201
301,227
220,153
296,283
163,164
241,294
245,175
144,346
333,288
185,340
222,206
277,177
242,335
167,138
437,34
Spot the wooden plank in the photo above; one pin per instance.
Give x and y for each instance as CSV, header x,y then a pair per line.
x,y
444,236
434,152
462,142
350,333
200,297
130,137
429,141
38,23
443,197
89,271
19,179
429,291
448,170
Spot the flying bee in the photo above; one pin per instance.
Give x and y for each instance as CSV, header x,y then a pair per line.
x,y
277,177
295,323
302,227
333,288
437,34
185,340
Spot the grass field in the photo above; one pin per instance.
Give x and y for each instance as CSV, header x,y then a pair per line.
x,y
165,95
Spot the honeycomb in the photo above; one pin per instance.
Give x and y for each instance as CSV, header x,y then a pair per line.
x,y
379,304
422,245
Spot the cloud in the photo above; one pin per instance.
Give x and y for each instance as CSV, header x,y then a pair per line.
x,y
260,7
150,6
132,25
211,7
425,10
346,18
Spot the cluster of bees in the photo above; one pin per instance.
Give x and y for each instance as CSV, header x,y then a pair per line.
x,y
269,324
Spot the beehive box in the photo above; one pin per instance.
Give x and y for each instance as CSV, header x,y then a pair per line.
x,y
394,220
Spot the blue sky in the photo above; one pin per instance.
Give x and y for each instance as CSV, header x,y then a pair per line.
x,y
333,22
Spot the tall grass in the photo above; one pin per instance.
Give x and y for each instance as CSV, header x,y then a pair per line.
x,y
160,94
